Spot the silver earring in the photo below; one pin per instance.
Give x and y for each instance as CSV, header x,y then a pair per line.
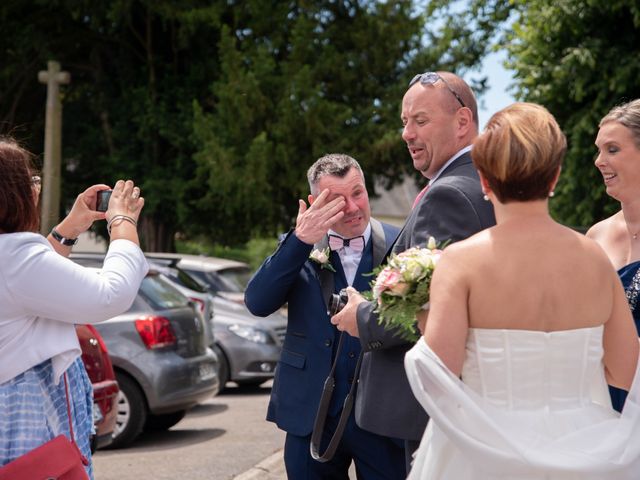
x,y
486,197
551,193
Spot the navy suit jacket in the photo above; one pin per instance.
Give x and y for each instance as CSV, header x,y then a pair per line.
x,y
451,210
288,276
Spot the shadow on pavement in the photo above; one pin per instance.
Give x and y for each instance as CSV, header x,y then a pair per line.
x,y
205,409
154,441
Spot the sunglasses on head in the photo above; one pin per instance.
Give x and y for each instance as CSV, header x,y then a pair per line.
x,y
430,78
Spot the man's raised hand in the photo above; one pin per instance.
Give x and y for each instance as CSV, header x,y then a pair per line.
x,y
314,222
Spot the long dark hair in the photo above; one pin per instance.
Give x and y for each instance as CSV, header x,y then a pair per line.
x,y
18,209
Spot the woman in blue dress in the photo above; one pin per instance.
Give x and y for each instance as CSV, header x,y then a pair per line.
x,y
618,161
43,294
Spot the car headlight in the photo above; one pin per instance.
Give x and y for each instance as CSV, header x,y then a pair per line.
x,y
250,333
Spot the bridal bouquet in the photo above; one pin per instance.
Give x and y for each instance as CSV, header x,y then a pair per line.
x,y
401,288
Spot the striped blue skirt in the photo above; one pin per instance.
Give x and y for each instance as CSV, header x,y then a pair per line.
x,y
33,410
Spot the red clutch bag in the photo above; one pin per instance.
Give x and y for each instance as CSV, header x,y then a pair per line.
x,y
58,459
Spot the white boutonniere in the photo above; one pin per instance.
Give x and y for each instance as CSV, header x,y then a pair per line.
x,y
321,257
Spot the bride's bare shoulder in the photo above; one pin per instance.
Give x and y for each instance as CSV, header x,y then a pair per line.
x,y
469,247
592,248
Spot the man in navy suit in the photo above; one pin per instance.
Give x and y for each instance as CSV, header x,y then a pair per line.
x,y
440,119
334,244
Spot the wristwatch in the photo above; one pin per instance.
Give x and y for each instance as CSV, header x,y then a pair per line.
x,y
69,242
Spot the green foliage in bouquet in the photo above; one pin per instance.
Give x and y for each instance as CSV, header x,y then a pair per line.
x,y
401,288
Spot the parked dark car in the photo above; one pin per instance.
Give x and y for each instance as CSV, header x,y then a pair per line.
x,y
103,380
160,357
248,346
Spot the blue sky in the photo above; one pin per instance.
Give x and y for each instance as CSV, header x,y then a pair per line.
x,y
499,79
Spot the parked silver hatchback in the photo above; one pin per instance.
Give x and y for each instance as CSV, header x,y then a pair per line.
x,y
248,347
159,352
192,289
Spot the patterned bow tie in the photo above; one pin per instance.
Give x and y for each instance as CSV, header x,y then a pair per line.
x,y
336,242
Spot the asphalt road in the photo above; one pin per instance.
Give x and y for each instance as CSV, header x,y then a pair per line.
x,y
217,440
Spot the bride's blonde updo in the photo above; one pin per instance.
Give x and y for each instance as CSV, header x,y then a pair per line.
x,y
519,152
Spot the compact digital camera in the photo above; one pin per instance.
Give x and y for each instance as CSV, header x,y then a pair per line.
x,y
102,203
337,301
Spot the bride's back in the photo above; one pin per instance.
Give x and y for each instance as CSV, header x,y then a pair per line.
x,y
533,274
533,318
528,272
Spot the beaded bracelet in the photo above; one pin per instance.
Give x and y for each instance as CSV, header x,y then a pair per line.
x,y
120,217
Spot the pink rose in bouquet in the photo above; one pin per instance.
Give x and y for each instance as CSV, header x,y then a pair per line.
x,y
391,282
401,288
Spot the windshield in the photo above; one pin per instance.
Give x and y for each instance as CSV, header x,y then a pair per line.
x,y
159,292
181,277
226,280
186,280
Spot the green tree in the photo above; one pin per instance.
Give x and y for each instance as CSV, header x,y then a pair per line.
x,y
218,108
153,58
136,68
322,82
330,80
579,59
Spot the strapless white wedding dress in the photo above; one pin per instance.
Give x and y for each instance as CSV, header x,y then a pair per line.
x,y
531,405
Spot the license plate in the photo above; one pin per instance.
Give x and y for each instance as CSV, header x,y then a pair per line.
x,y
207,371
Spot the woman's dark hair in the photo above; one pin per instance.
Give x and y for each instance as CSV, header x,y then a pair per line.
x,y
18,208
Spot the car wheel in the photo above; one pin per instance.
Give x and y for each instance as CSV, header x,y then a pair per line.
x,y
132,412
165,421
223,367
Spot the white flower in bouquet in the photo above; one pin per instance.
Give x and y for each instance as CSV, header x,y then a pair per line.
x,y
401,288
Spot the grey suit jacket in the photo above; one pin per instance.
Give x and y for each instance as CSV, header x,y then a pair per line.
x,y
452,209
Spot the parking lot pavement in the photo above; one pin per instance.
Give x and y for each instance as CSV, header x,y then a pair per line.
x,y
271,468
218,439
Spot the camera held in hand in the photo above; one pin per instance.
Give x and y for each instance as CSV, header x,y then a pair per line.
x,y
102,203
337,301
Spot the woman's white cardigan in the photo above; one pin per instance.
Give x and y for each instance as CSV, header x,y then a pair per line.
x,y
43,294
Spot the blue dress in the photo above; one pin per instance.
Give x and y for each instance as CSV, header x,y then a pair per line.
x,y
33,410
630,277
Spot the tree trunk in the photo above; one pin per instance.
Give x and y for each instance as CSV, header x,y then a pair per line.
x,y
156,235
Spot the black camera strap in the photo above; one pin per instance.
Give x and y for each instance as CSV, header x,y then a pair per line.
x,y
323,409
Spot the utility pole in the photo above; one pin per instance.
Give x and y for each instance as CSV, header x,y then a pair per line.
x,y
53,77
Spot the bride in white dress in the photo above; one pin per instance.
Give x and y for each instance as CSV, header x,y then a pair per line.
x,y
528,324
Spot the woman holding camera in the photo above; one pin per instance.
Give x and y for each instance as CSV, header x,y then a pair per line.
x,y
43,294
